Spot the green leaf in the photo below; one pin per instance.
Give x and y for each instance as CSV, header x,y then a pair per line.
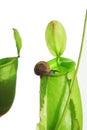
x,y
18,40
55,36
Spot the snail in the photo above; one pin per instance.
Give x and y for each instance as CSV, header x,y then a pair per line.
x,y
42,68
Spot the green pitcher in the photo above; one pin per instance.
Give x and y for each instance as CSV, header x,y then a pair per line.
x,y
60,99
8,76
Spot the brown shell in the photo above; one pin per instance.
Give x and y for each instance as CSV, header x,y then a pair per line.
x,y
41,68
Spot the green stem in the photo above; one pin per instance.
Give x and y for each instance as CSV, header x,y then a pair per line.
x,y
74,77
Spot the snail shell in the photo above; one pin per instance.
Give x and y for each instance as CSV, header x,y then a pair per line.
x,y
42,68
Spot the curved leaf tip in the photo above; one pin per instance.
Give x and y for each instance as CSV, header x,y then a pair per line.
x,y
18,40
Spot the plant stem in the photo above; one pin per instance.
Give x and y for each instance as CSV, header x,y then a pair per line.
x,y
75,74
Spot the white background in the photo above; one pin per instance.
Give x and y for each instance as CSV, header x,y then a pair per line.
x,y
30,17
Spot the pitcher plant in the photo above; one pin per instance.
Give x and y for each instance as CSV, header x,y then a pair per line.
x,y
60,98
8,76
